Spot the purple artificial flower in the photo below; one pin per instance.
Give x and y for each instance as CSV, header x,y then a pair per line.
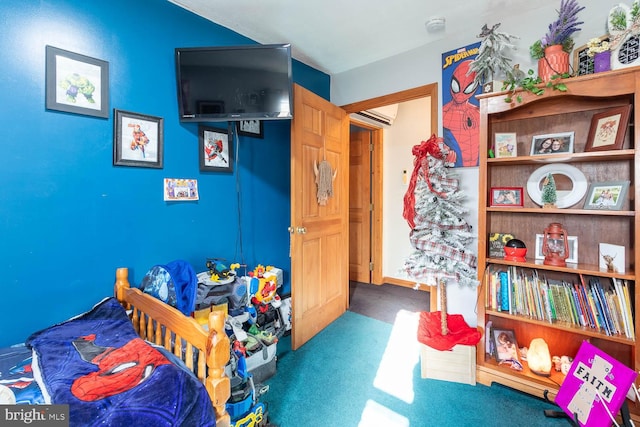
x,y
565,26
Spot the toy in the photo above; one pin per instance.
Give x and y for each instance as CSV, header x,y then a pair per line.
x,y
263,285
220,272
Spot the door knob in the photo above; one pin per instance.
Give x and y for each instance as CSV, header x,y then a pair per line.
x,y
301,230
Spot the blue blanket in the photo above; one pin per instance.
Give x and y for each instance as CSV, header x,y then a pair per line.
x,y
97,364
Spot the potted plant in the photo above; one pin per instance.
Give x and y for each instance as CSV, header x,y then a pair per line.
x,y
552,50
492,61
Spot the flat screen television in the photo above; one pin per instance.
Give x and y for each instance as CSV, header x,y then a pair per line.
x,y
232,83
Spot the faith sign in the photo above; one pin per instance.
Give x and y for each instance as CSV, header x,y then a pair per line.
x,y
595,387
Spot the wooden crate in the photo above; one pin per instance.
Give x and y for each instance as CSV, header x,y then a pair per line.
x,y
457,365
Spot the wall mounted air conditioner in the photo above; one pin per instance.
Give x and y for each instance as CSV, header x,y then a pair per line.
x,y
383,115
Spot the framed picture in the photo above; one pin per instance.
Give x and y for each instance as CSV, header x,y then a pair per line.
x,y
505,145
573,248
76,83
254,128
552,143
138,140
507,196
611,257
608,129
505,344
606,195
215,148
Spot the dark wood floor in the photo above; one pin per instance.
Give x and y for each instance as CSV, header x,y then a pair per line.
x,y
383,302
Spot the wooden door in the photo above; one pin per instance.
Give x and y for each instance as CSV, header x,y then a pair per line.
x,y
319,233
360,205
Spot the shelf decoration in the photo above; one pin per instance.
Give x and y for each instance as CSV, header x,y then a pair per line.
x,y
555,246
624,28
608,129
595,387
607,195
565,198
439,233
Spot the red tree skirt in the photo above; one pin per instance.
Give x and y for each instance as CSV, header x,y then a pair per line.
x,y
430,331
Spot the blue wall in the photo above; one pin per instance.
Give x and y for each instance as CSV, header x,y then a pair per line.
x,y
68,218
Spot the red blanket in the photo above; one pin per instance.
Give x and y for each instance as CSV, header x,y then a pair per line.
x,y
430,331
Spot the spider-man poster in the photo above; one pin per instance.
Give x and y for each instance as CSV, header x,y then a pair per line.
x,y
460,108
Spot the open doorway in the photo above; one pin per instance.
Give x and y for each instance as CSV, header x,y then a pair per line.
x,y
366,219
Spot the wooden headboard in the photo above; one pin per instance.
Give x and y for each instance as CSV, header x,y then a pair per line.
x,y
164,325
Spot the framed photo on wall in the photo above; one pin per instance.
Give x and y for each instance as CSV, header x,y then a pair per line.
x,y
608,129
138,140
253,128
215,148
76,83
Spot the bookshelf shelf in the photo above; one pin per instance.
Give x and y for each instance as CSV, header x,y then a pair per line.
x,y
552,113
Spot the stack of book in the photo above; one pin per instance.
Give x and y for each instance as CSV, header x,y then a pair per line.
x,y
598,303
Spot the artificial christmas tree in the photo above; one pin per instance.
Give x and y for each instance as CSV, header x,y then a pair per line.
x,y
439,233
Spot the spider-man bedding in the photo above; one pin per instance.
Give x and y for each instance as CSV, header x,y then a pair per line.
x,y
97,364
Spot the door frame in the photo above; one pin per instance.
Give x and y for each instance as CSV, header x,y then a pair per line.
x,y
430,90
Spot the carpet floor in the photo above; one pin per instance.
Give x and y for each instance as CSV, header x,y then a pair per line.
x,y
365,372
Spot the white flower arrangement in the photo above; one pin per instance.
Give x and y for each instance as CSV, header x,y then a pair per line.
x,y
596,45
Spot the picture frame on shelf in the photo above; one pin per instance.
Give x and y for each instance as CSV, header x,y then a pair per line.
x,y
552,143
608,129
252,128
507,197
505,344
606,195
611,257
573,248
76,83
497,241
138,140
215,149
505,145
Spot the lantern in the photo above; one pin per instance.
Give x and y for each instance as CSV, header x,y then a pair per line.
x,y
555,246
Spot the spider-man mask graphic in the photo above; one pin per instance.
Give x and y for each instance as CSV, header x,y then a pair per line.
x,y
460,117
119,369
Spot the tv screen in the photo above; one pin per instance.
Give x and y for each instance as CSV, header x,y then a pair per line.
x,y
233,83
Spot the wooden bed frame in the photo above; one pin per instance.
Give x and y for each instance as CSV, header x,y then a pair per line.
x,y
164,325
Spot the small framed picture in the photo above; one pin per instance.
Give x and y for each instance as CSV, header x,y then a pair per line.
x,y
137,140
507,196
505,145
606,195
611,258
552,143
216,153
505,344
608,129
572,243
253,128
76,83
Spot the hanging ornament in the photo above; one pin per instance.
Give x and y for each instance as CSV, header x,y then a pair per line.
x,y
324,180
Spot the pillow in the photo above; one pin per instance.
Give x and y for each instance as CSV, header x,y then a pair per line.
x,y
174,284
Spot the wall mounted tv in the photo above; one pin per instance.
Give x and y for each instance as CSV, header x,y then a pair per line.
x,y
231,83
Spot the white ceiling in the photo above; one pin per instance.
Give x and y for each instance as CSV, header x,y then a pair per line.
x,y
339,35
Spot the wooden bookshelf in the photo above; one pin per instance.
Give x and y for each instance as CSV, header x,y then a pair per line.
x,y
558,112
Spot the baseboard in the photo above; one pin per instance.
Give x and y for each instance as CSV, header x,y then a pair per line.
x,y
433,292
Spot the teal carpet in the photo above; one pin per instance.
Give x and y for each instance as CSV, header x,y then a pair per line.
x,y
363,372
